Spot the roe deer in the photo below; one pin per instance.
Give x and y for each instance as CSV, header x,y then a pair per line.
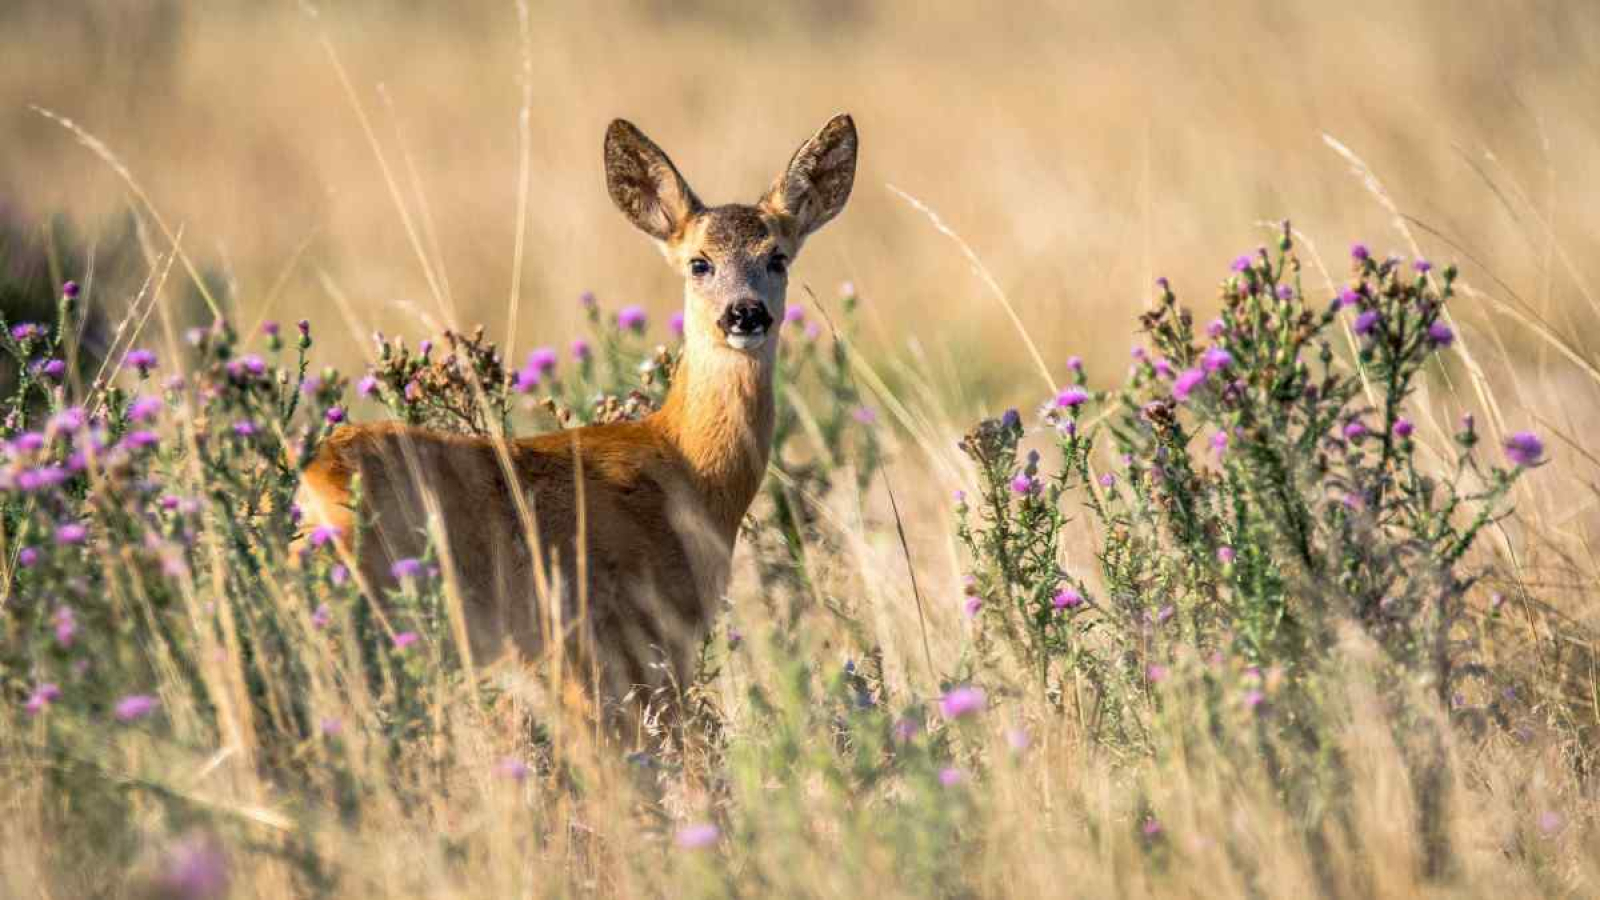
x,y
637,571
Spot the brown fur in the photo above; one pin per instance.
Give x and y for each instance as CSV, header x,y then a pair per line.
x,y
636,573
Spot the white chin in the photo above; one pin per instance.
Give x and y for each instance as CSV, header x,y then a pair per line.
x,y
746,341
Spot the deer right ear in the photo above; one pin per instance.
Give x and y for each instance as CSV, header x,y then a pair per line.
x,y
645,184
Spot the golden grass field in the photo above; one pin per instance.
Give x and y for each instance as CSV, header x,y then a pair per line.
x,y
1077,150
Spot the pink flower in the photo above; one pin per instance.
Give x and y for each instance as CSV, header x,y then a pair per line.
x,y
1071,398
1156,673
1524,448
195,869
950,776
41,698
321,616
698,836
405,639
1186,383
1067,599
511,768
1025,484
960,702
135,707
1225,555
66,626
1216,358
143,409
1018,739
324,534
973,604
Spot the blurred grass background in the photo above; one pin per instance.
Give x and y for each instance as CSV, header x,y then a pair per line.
x,y
1081,149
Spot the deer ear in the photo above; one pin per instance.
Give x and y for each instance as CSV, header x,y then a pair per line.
x,y
645,184
815,186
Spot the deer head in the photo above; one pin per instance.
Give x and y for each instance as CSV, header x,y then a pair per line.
x,y
735,258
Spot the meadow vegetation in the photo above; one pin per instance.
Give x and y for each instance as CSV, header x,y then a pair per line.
x,y
1296,599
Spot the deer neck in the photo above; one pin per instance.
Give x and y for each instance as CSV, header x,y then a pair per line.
x,y
719,415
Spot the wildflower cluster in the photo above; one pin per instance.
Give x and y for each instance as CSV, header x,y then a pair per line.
x,y
1261,489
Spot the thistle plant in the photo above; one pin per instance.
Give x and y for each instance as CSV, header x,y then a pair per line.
x,y
1260,490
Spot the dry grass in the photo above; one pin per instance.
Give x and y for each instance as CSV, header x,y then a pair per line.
x,y
1079,151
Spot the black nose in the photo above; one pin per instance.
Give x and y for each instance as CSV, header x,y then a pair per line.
x,y
745,317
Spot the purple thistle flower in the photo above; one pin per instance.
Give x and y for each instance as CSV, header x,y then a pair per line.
x,y
1403,428
1024,484
587,300
53,368
334,415
972,606
1165,613
27,556
65,622
269,328
511,768
1163,367
324,534
1285,292
331,727
244,428
1075,363
1107,480
1155,672
1071,398
1216,358
41,698
1550,822
632,318
26,331
796,313
195,869
1359,252
580,349
675,324
1355,430
1348,297
367,386
321,616
699,836
543,359
1525,448
1366,322
1226,555
143,409
143,360
1018,739
254,364
1186,383
405,639
1151,827
865,415
1139,354
951,776
140,440
1242,263
406,568
69,420
69,290
526,380
1253,698
304,327
960,702
1215,328
1219,442
1422,266
1066,599
1011,419
135,707
71,533
1440,335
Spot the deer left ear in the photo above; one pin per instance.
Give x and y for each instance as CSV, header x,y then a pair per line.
x,y
815,186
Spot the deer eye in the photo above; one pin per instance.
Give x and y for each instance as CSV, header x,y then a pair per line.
x,y
699,267
778,264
